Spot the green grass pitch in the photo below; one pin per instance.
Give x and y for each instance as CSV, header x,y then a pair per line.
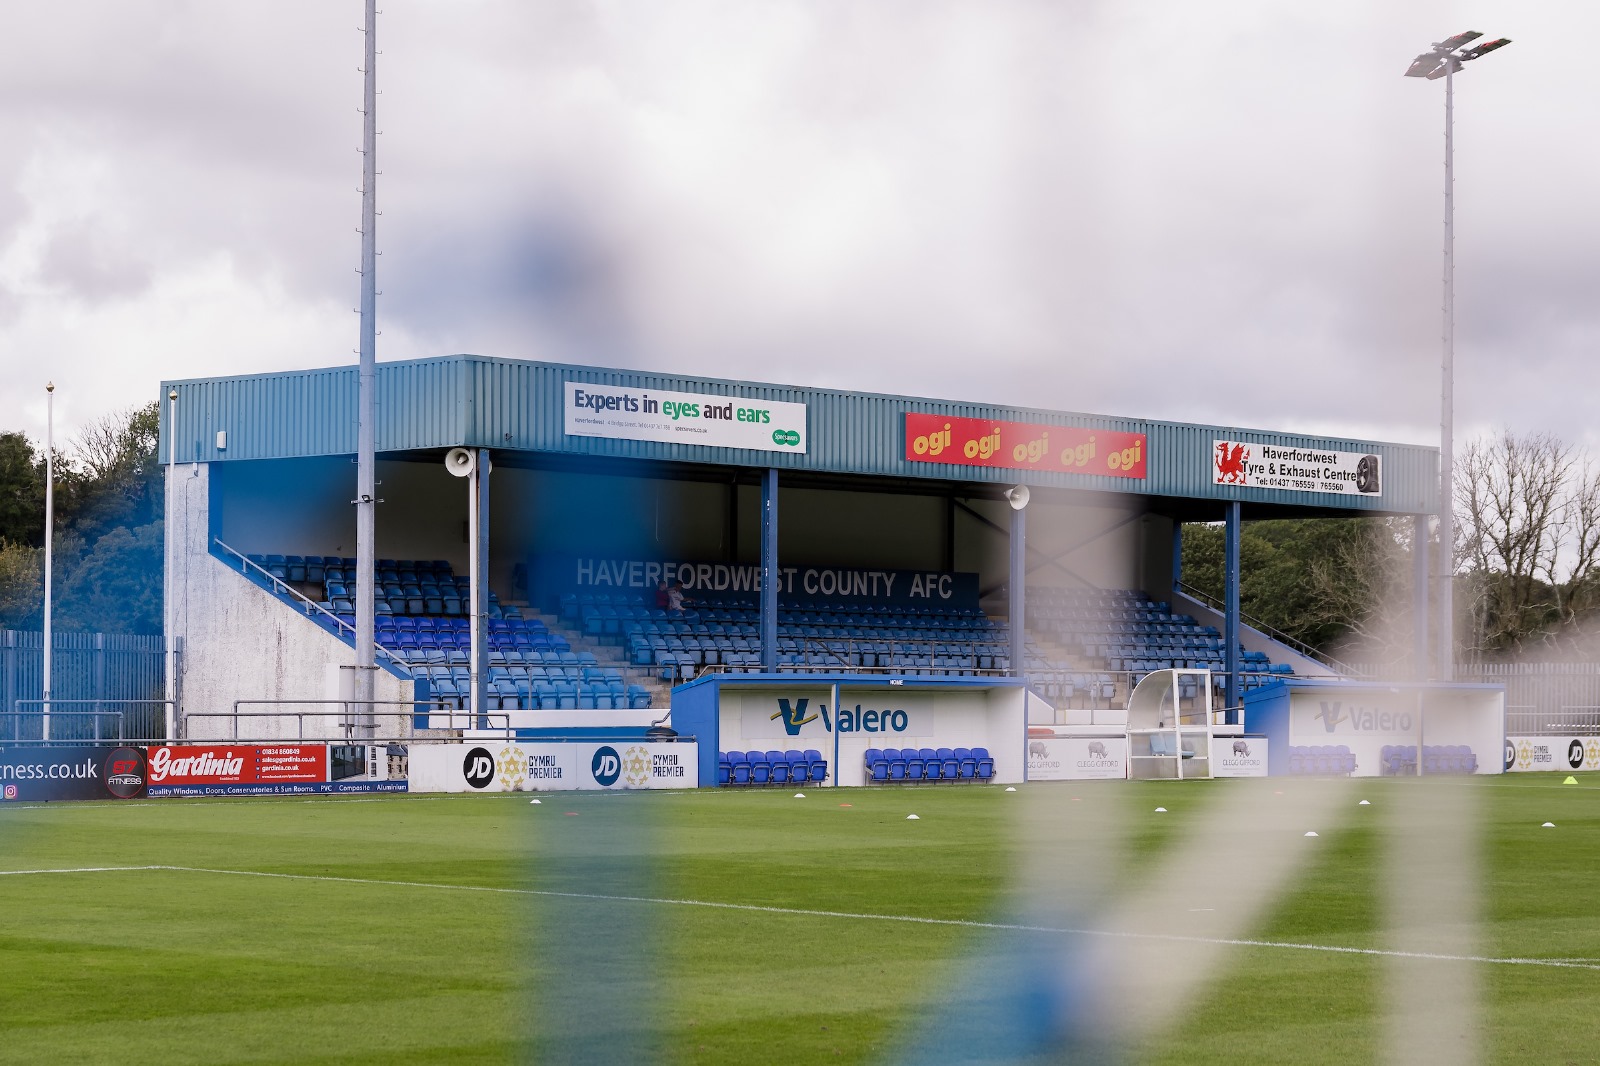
x,y
413,929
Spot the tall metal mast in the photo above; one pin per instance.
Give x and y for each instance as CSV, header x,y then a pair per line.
x,y
365,503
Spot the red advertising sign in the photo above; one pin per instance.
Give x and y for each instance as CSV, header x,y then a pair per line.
x,y
223,764
1023,446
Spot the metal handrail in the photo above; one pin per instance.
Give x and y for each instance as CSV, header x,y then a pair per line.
x,y
430,709
310,605
1276,634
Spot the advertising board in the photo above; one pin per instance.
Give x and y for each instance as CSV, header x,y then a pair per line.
x,y
77,772
684,418
252,770
1567,754
495,766
1077,758
957,441
1270,466
1239,756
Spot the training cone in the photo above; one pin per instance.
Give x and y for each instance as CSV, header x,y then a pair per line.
x,y
912,818
1548,825
1364,803
1011,788
1570,781
536,801
1311,833
799,795
1161,810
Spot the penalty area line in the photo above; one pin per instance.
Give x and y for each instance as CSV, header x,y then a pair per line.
x,y
800,912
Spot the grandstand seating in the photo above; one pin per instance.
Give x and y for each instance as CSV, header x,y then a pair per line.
x,y
1087,647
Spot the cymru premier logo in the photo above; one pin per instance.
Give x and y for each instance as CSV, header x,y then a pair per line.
x,y
794,716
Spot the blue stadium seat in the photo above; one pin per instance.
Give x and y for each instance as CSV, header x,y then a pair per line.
x,y
877,765
931,766
778,767
985,767
816,766
739,765
760,769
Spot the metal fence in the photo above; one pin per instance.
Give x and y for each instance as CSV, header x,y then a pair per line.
x,y
113,669
1544,699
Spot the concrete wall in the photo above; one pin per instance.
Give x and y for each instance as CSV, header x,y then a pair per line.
x,y
238,641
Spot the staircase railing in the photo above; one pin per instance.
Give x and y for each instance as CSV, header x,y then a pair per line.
x,y
1276,634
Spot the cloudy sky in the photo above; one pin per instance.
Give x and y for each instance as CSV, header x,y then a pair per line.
x,y
1203,212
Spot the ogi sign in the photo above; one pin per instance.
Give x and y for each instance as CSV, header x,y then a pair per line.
x,y
495,766
1269,466
1077,758
684,418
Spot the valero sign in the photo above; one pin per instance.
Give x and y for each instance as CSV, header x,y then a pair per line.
x,y
957,441
684,418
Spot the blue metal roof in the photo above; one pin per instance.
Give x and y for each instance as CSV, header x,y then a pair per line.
x,y
475,401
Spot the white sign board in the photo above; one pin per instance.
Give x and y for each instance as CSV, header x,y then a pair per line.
x,y
1566,754
684,418
1268,466
1239,756
495,766
1077,758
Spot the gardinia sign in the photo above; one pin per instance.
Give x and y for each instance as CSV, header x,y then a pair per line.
x,y
206,764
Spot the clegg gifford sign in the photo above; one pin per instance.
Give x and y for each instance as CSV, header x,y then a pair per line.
x,y
1268,466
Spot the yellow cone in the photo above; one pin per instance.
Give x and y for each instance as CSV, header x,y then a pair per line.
x,y
1570,780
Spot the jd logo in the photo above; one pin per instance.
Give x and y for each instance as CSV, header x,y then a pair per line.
x,y
789,438
1575,754
1511,755
478,768
606,766
1331,714
794,716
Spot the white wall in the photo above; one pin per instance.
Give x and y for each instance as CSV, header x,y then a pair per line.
x,y
238,641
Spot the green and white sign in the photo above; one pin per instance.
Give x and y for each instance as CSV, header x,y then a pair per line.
x,y
684,418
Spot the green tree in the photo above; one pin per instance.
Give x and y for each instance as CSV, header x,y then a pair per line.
x,y
116,584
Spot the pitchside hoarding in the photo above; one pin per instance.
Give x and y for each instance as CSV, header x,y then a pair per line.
x,y
956,441
710,419
252,770
75,772
1239,756
495,766
1077,758
1566,754
1270,466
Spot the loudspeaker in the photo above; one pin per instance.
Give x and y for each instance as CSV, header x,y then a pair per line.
x,y
1017,497
460,461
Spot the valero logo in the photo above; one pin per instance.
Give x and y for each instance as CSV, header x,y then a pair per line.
x,y
794,716
478,767
606,766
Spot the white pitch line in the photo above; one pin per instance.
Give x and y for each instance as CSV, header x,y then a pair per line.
x,y
800,912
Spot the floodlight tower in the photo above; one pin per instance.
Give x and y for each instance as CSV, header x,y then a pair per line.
x,y
366,385
1442,61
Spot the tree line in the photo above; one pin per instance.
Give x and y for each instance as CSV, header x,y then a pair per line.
x,y
108,536
1527,563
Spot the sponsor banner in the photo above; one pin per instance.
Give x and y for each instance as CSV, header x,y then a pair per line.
x,y
1077,758
86,772
1239,756
312,788
1328,721
1269,466
495,766
810,718
797,585
958,441
1566,754
684,418
234,764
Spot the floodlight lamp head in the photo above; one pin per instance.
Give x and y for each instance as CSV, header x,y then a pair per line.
x,y
1017,497
460,461
172,394
49,386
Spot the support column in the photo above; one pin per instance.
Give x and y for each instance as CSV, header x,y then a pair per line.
x,y
1422,668
478,488
1177,559
1230,616
769,571
1018,590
